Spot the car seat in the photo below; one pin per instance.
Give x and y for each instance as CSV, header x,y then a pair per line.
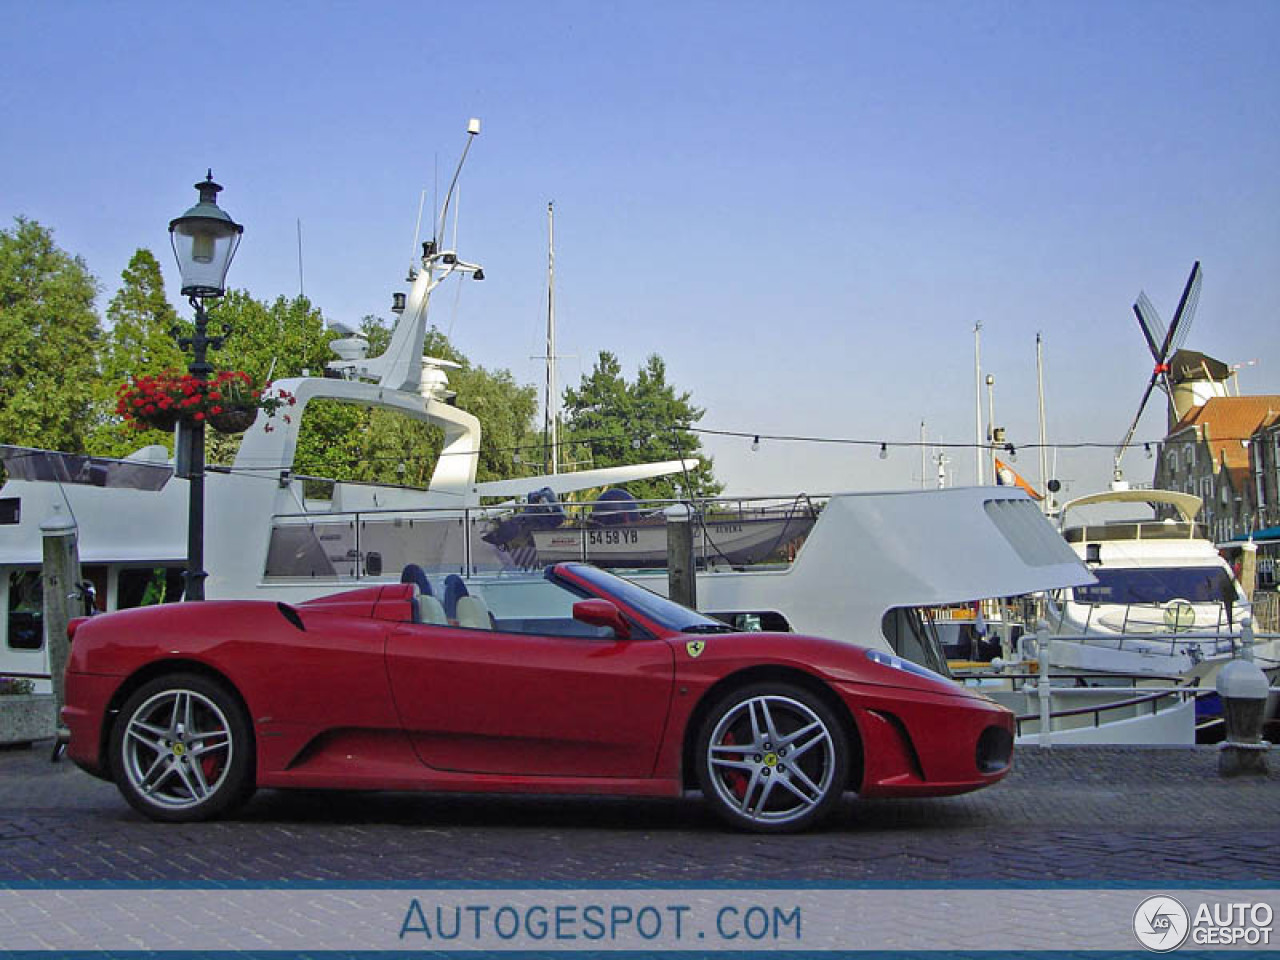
x,y
429,610
472,612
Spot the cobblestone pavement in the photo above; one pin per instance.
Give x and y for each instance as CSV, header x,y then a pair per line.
x,y
1078,815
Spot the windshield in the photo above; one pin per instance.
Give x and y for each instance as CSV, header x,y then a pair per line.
x,y
1158,585
659,609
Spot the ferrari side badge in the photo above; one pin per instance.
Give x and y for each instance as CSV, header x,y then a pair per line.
x,y
695,647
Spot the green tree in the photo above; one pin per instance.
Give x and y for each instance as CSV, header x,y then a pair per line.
x,y
270,341
139,341
506,410
49,335
623,423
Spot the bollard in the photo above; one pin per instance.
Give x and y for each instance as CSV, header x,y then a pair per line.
x,y
61,575
682,583
1249,568
1243,688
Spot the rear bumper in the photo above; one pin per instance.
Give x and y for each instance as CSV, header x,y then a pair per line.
x,y
923,744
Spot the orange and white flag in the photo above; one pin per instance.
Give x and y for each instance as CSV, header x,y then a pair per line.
x,y
1006,476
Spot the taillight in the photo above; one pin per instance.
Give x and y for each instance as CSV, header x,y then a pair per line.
x,y
72,626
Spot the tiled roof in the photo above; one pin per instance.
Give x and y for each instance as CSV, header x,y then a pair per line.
x,y
1228,420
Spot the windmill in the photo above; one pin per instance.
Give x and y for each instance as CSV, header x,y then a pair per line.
x,y
1162,343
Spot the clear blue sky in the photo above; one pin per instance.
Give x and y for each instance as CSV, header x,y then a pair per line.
x,y
803,207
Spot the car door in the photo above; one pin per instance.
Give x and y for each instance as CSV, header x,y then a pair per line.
x,y
531,704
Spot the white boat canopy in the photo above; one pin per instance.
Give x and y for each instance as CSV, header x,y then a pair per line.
x,y
1187,504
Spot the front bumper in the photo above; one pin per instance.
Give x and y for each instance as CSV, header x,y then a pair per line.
x,y
84,718
928,744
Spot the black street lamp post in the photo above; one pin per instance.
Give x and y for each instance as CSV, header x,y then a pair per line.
x,y
204,240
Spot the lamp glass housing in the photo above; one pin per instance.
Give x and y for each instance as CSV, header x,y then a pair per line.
x,y
204,241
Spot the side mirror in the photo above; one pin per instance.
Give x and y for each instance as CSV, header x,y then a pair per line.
x,y
602,613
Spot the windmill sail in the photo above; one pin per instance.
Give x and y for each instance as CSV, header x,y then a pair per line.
x,y
1169,340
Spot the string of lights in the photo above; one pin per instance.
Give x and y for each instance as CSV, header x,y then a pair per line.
x,y
758,438
883,447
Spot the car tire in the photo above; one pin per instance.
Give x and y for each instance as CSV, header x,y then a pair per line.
x,y
772,758
182,749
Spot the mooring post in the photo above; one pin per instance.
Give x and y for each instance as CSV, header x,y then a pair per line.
x,y
1243,689
682,584
1249,569
61,575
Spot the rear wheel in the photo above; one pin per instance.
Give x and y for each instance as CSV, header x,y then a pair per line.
x,y
182,749
773,758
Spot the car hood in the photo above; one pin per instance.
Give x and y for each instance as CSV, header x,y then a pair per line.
x,y
835,661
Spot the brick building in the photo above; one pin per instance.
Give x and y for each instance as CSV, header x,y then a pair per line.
x,y
1210,452
1264,469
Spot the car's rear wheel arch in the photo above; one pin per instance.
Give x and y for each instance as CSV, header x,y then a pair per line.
x,y
145,675
767,674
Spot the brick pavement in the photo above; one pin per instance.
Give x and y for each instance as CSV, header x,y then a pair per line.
x,y
1080,815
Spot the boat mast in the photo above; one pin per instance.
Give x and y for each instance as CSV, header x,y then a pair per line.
x,y
551,427
991,425
1047,502
978,445
924,460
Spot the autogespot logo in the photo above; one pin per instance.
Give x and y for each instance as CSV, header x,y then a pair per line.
x,y
1161,923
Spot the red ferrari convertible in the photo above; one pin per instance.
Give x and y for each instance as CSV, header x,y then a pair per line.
x,y
574,682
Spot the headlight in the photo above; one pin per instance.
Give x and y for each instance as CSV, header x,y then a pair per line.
x,y
897,663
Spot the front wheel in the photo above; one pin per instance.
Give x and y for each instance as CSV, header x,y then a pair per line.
x,y
772,758
182,750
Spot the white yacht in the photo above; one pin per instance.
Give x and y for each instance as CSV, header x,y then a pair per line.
x,y
1165,602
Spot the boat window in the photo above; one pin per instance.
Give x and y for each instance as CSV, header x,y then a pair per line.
x,y
354,545
26,610
1137,530
24,463
10,510
1158,585
912,639
146,586
303,549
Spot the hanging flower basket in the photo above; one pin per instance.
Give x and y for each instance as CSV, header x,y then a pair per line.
x,y
164,420
233,420
229,402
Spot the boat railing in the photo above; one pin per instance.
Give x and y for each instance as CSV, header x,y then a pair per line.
x,y
1151,702
1139,618
354,545
1076,681
1196,645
